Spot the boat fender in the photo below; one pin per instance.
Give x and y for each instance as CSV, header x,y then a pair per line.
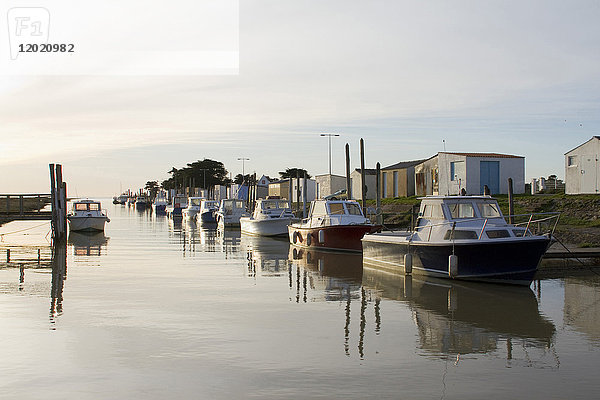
x,y
308,239
322,236
407,264
453,265
297,237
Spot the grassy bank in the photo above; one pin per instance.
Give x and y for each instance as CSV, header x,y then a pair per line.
x,y
579,223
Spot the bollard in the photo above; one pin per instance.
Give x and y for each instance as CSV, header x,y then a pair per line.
x,y
39,257
453,266
7,255
407,264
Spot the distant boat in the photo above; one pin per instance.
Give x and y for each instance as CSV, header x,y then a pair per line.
x,y
271,217
230,211
193,207
159,205
461,237
142,202
87,215
178,203
332,224
208,208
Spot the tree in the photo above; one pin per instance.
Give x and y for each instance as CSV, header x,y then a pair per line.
x,y
152,188
202,173
293,173
239,179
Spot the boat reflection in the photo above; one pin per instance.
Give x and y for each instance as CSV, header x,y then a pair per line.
x,y
465,318
228,240
329,276
267,256
88,243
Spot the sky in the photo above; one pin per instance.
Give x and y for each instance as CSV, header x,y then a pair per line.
x,y
411,78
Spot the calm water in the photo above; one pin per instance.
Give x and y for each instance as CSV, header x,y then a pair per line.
x,y
158,310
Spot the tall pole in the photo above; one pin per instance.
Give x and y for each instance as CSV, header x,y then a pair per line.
x,y
329,135
362,176
243,165
348,181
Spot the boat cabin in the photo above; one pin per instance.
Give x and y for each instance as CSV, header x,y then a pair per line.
x,y
228,206
272,208
86,205
335,212
463,217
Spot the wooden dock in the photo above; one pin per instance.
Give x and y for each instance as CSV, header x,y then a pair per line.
x,y
25,206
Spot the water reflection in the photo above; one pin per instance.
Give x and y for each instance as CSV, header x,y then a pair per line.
x,y
582,306
228,240
266,255
465,318
88,243
59,275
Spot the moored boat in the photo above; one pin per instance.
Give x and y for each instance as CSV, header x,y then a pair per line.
x,y
141,202
87,215
178,203
332,224
159,205
230,211
193,207
208,208
271,217
461,237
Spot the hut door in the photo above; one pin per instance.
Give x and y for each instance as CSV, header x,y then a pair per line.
x,y
489,174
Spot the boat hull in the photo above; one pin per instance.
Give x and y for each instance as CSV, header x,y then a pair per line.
x,y
265,227
502,261
159,209
335,237
207,217
87,224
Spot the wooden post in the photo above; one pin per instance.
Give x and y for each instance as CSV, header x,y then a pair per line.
x,y
348,182
304,196
290,192
378,198
7,255
7,204
60,201
297,192
53,199
362,176
511,206
21,205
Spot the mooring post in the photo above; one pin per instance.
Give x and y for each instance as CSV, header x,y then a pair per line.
x,y
297,192
362,176
304,196
378,191
7,255
21,205
511,209
53,199
348,181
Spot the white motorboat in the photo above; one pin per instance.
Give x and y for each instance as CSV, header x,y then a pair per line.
x,y
463,237
332,224
159,205
271,217
87,215
230,211
193,207
208,208
178,203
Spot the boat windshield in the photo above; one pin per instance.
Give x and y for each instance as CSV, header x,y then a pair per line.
x,y
353,209
87,206
272,205
461,210
195,202
489,210
432,211
336,208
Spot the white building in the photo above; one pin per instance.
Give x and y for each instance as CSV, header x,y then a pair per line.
x,y
370,184
582,169
329,184
473,171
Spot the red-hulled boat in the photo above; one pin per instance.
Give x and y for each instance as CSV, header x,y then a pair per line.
x,y
332,225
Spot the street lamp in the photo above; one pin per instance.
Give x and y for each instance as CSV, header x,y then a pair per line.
x,y
329,135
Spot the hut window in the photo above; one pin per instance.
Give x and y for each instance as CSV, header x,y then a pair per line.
x,y
571,161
